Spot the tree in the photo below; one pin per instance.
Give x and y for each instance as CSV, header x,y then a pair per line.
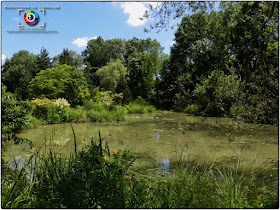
x,y
99,53
65,57
255,46
69,57
143,63
217,94
163,13
112,75
43,59
200,47
241,39
14,114
61,82
18,71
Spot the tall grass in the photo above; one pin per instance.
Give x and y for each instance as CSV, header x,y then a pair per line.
x,y
95,177
205,186
101,113
89,112
135,108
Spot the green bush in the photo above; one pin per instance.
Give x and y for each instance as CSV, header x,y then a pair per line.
x,y
90,105
14,115
51,111
63,81
76,115
117,114
34,123
192,109
217,94
140,106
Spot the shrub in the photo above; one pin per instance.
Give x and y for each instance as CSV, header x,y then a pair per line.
x,y
192,109
51,111
217,94
14,115
62,81
76,115
139,106
90,105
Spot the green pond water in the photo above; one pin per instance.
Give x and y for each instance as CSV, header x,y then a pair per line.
x,y
163,137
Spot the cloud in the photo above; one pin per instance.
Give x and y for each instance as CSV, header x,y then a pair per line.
x,y
4,57
82,42
136,10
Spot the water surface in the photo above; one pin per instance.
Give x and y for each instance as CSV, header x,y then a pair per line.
x,y
164,137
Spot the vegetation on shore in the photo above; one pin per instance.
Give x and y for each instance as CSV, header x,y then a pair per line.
x,y
224,63
96,177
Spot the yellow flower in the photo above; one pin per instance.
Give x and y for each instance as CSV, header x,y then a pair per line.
x,y
115,152
47,157
105,158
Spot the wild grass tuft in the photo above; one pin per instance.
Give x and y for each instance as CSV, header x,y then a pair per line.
x,y
134,108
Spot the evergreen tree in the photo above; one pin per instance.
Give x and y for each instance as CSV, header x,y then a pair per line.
x,y
43,60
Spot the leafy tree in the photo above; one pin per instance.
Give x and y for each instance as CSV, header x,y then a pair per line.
x,y
216,95
70,57
162,86
113,78
163,13
141,57
65,57
143,63
14,114
199,49
18,71
99,53
61,82
241,39
43,59
254,42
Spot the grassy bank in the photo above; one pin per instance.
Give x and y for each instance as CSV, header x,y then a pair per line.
x,y
139,106
48,113
96,177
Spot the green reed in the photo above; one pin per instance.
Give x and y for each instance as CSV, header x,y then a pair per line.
x,y
95,177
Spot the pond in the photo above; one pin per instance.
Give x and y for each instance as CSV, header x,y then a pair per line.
x,y
163,137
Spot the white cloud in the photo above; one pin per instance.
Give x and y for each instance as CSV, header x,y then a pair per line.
x,y
136,10
4,57
82,42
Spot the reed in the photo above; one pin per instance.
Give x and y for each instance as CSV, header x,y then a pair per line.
x,y
95,177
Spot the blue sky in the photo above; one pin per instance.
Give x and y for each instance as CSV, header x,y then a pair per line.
x,y
76,23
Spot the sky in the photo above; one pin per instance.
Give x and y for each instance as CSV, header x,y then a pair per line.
x,y
74,24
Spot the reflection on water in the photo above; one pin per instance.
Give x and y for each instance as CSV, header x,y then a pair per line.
x,y
157,135
170,136
164,165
